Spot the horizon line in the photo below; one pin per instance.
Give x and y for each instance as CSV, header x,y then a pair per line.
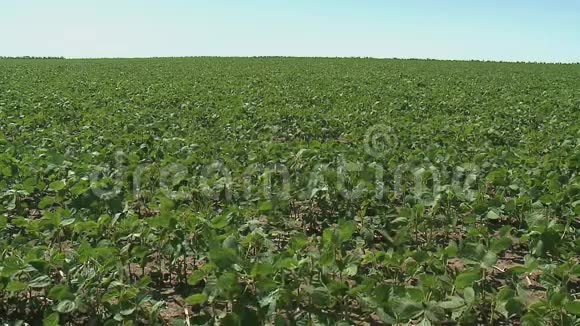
x,y
29,57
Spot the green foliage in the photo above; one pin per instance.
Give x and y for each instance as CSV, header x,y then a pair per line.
x,y
288,191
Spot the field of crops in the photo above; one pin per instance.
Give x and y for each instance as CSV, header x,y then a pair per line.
x,y
289,191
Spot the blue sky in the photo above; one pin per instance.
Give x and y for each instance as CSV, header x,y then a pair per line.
x,y
517,30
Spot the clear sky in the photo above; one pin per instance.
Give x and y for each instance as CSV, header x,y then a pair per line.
x,y
515,30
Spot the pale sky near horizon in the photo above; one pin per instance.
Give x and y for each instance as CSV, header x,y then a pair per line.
x,y
517,30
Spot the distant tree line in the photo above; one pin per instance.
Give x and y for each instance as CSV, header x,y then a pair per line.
x,y
30,57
